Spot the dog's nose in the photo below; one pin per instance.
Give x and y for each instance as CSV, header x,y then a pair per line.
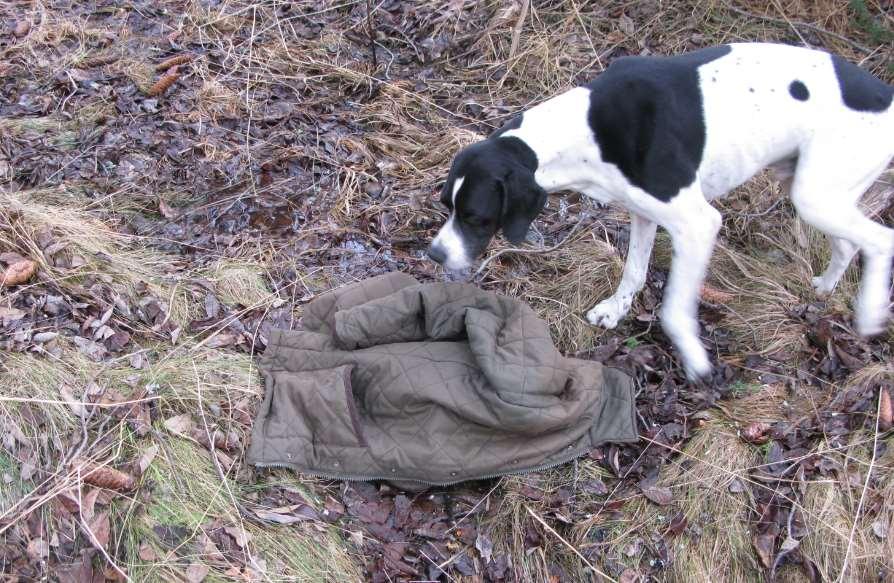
x,y
437,254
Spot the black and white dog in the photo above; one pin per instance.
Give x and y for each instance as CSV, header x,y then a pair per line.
x,y
663,136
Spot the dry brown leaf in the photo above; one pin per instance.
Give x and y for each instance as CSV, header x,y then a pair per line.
x,y
22,28
164,83
173,62
884,409
763,544
75,404
659,495
146,458
100,528
147,553
196,573
105,477
756,432
18,273
165,209
38,549
88,503
180,425
240,535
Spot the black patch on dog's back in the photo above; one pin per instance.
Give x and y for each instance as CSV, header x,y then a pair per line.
x,y
646,115
860,90
799,91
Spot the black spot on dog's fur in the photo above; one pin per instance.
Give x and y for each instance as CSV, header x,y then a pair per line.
x,y
799,91
860,90
646,115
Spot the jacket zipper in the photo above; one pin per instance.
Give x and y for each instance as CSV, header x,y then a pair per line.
x,y
354,478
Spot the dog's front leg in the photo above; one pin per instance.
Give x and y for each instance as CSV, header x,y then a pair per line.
x,y
693,225
612,310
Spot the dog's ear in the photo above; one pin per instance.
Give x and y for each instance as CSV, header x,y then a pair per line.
x,y
446,197
522,201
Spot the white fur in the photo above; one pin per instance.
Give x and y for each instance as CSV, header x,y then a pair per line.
x,y
448,238
839,152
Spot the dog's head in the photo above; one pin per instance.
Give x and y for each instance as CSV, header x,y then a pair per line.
x,y
490,187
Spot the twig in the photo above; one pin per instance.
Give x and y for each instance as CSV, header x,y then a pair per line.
x,y
517,28
850,540
793,23
568,544
527,251
371,34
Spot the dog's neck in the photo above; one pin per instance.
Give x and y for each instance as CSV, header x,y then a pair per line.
x,y
558,134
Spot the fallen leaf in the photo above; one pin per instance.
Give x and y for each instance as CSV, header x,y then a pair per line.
x,y
879,529
92,350
736,486
180,425
22,28
18,273
764,545
38,549
100,528
755,432
10,315
659,495
625,23
147,553
884,409
75,404
146,458
240,535
196,573
485,546
629,576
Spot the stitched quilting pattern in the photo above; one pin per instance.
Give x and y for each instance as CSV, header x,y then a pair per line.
x,y
448,382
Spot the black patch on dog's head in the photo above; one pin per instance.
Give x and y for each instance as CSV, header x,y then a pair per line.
x,y
498,192
860,90
799,91
646,114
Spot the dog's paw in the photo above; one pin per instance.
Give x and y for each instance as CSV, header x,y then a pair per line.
x,y
872,324
822,287
608,313
697,366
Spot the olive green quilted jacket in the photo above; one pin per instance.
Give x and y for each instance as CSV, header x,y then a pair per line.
x,y
429,384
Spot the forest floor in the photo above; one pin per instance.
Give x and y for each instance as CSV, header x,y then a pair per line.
x,y
176,212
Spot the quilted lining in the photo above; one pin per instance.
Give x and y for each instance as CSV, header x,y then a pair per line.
x,y
434,383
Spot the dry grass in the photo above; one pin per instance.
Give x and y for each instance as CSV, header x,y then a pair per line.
x,y
831,508
563,285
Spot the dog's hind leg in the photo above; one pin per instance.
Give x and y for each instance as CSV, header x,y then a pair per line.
x,y
610,311
825,193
